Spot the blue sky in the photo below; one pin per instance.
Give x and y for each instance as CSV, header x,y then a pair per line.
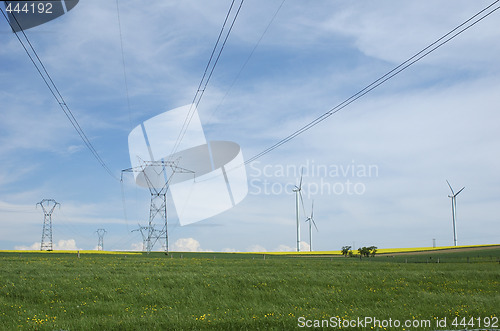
x,y
437,120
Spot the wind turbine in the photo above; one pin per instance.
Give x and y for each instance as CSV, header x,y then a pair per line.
x,y
298,195
310,219
453,197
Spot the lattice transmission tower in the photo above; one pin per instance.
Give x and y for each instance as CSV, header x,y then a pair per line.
x,y
48,206
156,175
100,243
144,230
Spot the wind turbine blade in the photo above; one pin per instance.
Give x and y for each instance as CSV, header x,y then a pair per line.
x,y
460,191
302,201
450,187
312,209
301,174
314,223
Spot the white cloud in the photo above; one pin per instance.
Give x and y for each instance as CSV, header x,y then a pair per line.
x,y
304,247
285,248
69,244
74,148
61,245
188,245
136,246
35,246
256,248
416,25
230,250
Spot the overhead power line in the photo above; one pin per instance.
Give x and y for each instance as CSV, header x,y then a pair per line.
x,y
248,59
204,82
403,66
123,64
42,71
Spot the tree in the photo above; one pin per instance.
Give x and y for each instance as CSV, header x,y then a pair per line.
x,y
367,251
362,251
346,250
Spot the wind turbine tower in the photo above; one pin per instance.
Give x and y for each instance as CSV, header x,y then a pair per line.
x,y
310,219
100,243
453,197
298,195
48,206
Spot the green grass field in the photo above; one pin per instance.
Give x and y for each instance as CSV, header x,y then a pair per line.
x,y
59,291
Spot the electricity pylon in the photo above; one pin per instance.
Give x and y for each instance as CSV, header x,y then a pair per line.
x,y
157,178
48,206
144,236
100,243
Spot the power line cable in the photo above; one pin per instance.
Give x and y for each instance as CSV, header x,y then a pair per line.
x,y
403,66
201,91
123,64
213,52
187,120
247,60
55,92
129,108
218,56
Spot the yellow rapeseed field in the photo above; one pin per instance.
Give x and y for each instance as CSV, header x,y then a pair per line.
x,y
379,251
69,252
